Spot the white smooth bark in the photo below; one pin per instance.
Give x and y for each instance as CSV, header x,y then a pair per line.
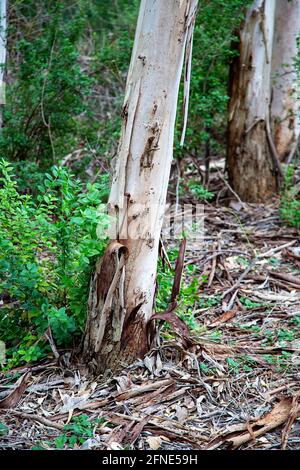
x,y
3,6
285,108
122,310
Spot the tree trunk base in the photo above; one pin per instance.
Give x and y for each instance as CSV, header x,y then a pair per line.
x,y
113,337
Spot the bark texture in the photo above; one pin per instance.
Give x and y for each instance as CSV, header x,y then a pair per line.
x,y
285,109
122,290
3,6
250,161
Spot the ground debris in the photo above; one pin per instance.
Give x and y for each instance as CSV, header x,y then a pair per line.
x,y
235,385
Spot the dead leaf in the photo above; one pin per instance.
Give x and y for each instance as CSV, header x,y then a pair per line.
x,y
154,442
179,326
13,398
128,433
148,387
236,205
115,446
136,431
123,382
71,402
181,413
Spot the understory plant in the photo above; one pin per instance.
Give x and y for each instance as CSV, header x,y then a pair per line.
x,y
47,87
188,296
290,200
48,246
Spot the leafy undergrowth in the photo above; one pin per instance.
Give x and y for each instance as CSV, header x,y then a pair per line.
x,y
48,246
290,200
240,297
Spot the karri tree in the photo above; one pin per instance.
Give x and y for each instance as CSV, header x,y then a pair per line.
x,y
285,107
251,161
122,291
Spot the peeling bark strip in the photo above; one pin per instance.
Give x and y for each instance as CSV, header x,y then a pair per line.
x,y
250,160
122,290
285,109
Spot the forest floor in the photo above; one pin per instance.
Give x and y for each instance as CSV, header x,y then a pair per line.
x,y
237,386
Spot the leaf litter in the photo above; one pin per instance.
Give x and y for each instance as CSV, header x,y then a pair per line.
x,y
235,383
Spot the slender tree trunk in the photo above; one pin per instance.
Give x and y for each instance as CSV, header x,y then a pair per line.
x,y
285,110
250,161
122,290
3,7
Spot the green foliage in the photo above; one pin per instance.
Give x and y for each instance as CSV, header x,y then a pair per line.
x,y
215,44
249,304
242,362
47,250
296,320
285,335
68,69
209,301
3,429
75,433
112,41
47,89
281,361
188,296
78,431
199,191
233,365
290,201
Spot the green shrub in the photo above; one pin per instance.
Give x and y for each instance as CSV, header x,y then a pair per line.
x,y
215,41
290,201
47,87
48,246
199,191
188,296
75,433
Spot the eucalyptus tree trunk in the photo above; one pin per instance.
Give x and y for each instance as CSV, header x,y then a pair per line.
x,y
3,7
285,109
119,327
251,161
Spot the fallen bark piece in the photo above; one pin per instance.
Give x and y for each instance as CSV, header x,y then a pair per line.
x,y
40,419
225,317
179,326
292,254
294,413
13,398
286,277
162,426
276,417
149,387
178,271
128,433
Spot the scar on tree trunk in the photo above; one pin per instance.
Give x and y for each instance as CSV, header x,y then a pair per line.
x,y
116,337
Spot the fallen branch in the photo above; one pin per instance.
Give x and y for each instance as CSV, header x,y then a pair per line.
x,y
46,422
